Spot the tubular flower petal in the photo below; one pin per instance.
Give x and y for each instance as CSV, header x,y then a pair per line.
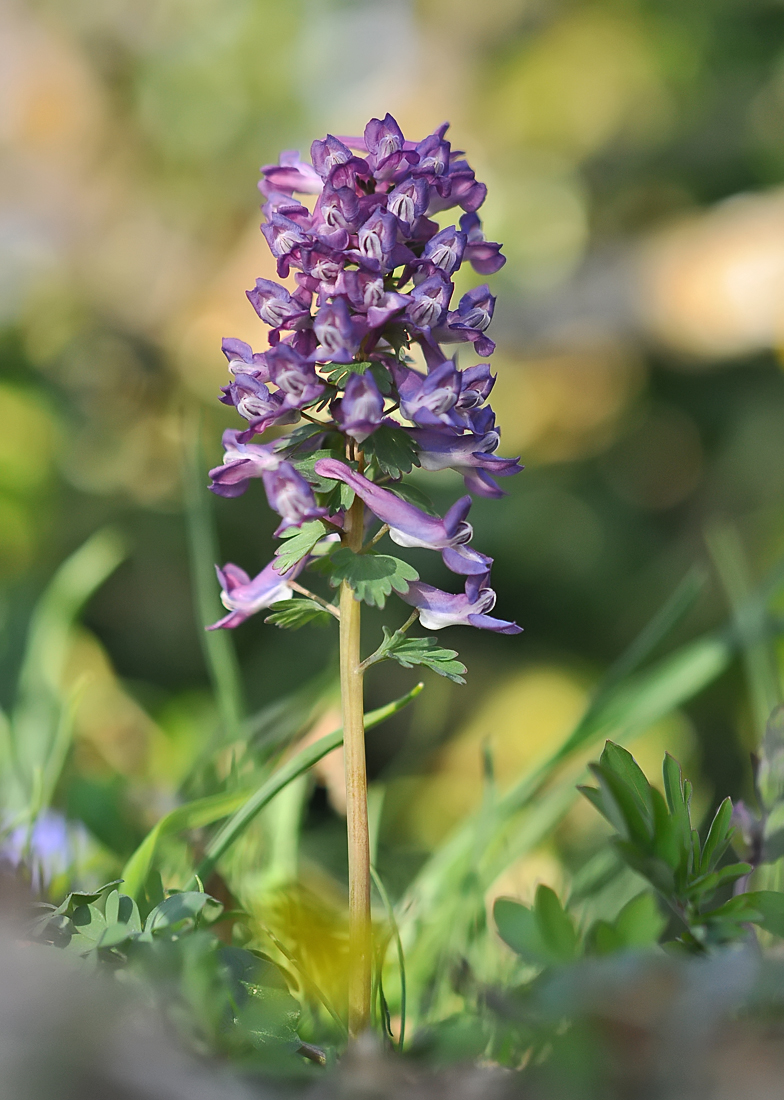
x,y
409,525
439,609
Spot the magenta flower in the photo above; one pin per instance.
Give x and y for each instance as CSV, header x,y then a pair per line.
x,y
361,409
439,609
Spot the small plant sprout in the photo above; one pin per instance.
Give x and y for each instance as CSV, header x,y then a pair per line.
x,y
373,273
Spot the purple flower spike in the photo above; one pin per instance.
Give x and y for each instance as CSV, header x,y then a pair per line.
x,y
409,525
244,597
274,304
338,335
299,384
484,256
291,496
361,409
439,609
241,462
445,250
243,360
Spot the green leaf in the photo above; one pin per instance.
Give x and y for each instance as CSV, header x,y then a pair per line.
x,y
292,614
393,451
770,906
622,807
299,543
372,576
305,466
640,922
192,815
420,651
414,496
296,439
622,763
187,906
718,838
556,927
518,928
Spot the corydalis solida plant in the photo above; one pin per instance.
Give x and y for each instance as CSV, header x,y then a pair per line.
x,y
373,274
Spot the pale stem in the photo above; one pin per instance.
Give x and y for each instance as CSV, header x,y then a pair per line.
x,y
351,677
377,537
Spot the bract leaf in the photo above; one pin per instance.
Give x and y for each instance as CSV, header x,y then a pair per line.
x,y
299,543
372,576
393,451
422,651
293,614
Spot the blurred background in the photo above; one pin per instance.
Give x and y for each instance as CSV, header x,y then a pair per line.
x,y
634,154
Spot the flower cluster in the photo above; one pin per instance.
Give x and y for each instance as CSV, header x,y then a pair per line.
x,y
372,283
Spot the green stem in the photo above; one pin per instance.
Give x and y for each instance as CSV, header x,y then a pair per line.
x,y
351,690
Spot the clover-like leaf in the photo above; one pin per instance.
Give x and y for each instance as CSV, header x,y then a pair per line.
x,y
299,542
372,576
293,614
422,651
392,449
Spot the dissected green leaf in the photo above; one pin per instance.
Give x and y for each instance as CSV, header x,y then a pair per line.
x,y
622,763
622,807
372,576
304,464
299,542
392,449
421,651
297,438
292,614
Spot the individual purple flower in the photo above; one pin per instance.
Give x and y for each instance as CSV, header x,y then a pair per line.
x,y
291,175
338,334
321,268
243,597
445,250
291,496
279,202
377,238
253,401
284,236
433,160
387,155
294,375
476,384
361,409
439,609
471,455
326,154
429,300
338,208
409,525
429,399
408,201
367,293
484,256
275,305
243,360
241,462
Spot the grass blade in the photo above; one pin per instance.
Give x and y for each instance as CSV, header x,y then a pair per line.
x,y
304,759
401,961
